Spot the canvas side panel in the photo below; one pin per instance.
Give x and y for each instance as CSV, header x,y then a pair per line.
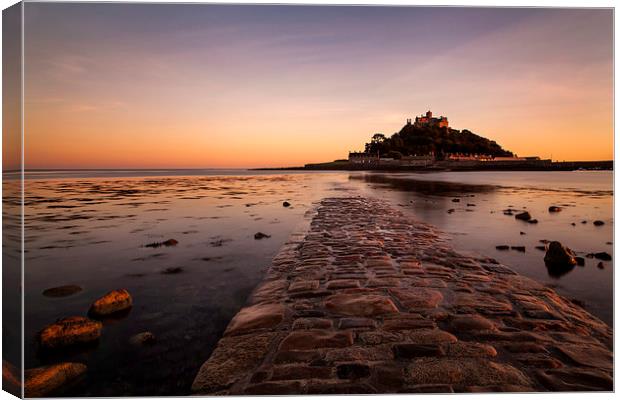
x,y
12,207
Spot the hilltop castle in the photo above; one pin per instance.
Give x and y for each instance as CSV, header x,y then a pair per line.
x,y
428,120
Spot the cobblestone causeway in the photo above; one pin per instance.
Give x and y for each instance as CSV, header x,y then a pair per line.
x,y
368,300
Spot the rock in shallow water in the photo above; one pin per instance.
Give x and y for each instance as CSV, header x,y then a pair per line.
x,y
172,270
113,302
555,209
62,291
43,381
70,331
603,255
261,235
559,255
167,243
524,216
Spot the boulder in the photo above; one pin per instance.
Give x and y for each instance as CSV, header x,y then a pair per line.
x,y
524,216
113,302
555,209
580,261
261,235
558,255
286,204
62,291
598,222
70,331
43,381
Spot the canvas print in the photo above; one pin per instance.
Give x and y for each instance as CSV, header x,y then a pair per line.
x,y
233,199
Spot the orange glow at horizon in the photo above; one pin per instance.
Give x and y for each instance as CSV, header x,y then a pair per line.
x,y
219,95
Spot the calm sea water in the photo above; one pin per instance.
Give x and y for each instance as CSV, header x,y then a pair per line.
x,y
90,228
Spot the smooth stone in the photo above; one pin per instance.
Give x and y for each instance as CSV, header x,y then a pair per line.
x,y
415,297
315,339
70,331
44,381
472,322
112,302
362,305
62,291
260,316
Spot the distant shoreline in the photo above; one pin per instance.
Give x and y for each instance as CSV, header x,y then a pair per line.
x,y
453,167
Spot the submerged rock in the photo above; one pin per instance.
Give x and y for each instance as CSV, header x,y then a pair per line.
x,y
70,331
167,243
524,216
502,247
113,302
559,255
62,291
555,209
44,381
598,222
600,265
541,248
456,200
261,235
518,248
532,221
172,270
286,204
603,255
142,338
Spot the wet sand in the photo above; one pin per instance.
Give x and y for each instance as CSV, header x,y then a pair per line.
x,y
369,300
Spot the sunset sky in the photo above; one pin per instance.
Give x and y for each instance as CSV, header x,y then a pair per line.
x,y
184,86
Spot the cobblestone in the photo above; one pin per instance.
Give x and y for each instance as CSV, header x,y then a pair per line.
x,y
368,300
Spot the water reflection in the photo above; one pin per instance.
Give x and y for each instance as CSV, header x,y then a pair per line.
x,y
98,234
